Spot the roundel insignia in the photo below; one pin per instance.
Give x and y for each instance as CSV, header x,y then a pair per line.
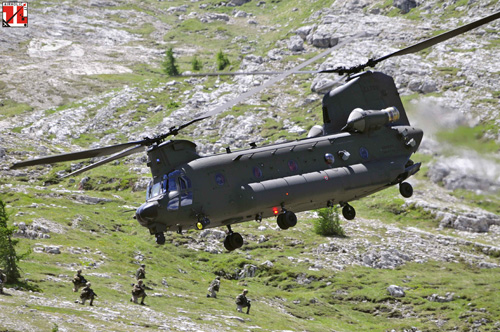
x,y
220,179
363,152
257,172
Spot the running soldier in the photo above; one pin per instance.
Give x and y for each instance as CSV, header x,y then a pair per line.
x,y
242,302
141,272
214,288
78,281
138,291
87,294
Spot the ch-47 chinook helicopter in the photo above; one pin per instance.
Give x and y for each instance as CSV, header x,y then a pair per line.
x,y
363,146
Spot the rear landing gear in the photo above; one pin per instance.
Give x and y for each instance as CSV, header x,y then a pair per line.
x,y
287,219
160,238
405,189
348,212
233,241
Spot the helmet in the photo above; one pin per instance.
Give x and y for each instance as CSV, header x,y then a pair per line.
x,y
143,265
140,281
218,278
88,283
245,291
79,271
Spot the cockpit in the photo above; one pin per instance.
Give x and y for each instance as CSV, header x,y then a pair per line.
x,y
176,186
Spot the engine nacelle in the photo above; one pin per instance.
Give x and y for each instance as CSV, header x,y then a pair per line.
x,y
364,121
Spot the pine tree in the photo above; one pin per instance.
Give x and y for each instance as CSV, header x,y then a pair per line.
x,y
222,60
8,256
196,64
169,66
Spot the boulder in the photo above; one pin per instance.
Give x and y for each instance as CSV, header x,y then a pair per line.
x,y
295,44
396,291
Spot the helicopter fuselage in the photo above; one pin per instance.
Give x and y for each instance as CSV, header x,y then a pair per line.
x,y
252,184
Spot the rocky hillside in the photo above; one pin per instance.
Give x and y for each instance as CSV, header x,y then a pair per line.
x,y
89,74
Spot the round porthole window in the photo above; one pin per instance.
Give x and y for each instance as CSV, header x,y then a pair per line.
x,y
329,158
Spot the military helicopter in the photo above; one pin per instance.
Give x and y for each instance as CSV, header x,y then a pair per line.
x,y
363,146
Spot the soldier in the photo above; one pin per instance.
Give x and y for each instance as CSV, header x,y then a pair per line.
x,y
78,281
242,301
87,294
138,291
141,272
214,287
3,280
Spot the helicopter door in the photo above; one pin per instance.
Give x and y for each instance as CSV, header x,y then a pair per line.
x,y
179,191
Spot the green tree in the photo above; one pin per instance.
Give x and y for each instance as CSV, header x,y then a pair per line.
x,y
328,223
222,61
169,66
196,64
8,256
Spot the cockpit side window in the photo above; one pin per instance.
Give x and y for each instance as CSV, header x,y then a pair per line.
x,y
179,190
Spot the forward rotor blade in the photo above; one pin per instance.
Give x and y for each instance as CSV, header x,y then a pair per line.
x,y
99,152
132,150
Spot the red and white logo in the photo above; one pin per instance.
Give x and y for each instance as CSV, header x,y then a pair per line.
x,y
14,14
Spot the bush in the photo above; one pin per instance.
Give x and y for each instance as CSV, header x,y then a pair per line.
x,y
328,223
196,64
169,66
222,61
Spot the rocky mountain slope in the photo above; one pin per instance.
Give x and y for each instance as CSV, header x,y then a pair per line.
x,y
89,74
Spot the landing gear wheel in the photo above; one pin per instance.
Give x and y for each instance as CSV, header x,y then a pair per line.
x,y
233,241
348,212
160,238
405,189
290,218
281,221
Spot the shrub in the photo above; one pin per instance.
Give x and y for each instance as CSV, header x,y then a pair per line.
x,y
222,61
328,223
169,66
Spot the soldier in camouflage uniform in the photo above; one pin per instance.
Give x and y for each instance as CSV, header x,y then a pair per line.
x,y
78,281
138,291
242,302
214,288
141,272
3,280
87,294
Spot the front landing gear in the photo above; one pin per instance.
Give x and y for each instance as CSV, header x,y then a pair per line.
x,y
233,241
405,189
160,238
348,212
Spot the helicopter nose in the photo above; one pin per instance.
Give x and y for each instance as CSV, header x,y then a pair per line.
x,y
147,212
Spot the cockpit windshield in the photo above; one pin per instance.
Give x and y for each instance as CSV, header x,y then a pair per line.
x,y
177,186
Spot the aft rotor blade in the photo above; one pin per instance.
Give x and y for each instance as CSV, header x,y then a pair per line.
x,y
274,80
416,47
440,38
99,152
132,150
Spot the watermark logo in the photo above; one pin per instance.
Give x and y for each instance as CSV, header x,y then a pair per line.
x,y
14,14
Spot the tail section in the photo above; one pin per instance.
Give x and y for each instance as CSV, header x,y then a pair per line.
x,y
367,91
